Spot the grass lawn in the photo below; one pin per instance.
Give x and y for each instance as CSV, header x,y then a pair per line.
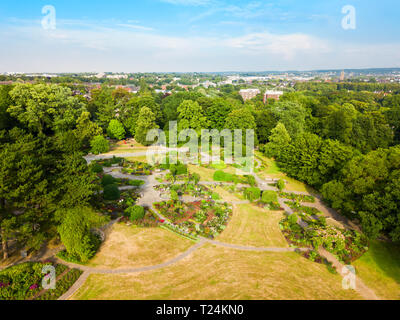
x,y
255,227
215,273
272,171
225,195
379,268
139,159
205,173
127,246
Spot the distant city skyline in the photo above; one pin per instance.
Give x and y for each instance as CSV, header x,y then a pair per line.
x,y
198,36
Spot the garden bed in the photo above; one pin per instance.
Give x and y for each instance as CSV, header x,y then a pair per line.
x,y
200,218
150,220
115,208
346,245
297,197
24,281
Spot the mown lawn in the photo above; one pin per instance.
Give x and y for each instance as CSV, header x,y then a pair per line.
x,y
131,247
379,268
254,227
215,273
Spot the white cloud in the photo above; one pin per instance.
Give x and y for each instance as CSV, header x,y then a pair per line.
x,y
134,26
188,2
134,49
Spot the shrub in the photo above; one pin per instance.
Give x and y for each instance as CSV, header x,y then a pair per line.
x,y
215,196
251,180
111,192
292,219
136,183
174,195
97,168
178,169
252,194
269,197
225,177
107,180
135,213
99,145
280,184
196,178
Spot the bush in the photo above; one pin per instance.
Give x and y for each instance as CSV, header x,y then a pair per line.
x,y
252,194
135,213
107,180
178,169
292,219
269,197
174,195
111,192
280,184
251,180
136,183
99,145
225,177
97,168
215,196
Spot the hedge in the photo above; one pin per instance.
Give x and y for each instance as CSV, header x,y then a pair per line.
x,y
111,192
269,197
107,180
252,194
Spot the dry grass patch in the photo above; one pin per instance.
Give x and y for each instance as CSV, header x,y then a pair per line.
x,y
127,246
215,273
205,174
255,227
226,195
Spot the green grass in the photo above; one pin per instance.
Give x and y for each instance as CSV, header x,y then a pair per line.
x,y
379,268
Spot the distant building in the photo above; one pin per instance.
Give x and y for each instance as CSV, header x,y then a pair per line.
x,y
272,94
342,76
248,94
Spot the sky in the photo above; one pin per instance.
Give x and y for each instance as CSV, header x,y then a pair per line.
x,y
197,35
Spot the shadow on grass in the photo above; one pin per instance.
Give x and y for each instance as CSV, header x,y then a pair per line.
x,y
386,257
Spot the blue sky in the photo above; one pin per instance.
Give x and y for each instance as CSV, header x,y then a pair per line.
x,y
197,35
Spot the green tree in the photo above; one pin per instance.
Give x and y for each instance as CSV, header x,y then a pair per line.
x,y
86,129
190,116
43,108
116,130
75,232
99,145
145,123
279,140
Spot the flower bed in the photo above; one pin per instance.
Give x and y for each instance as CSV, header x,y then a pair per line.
x,y
62,285
346,245
186,189
150,220
137,168
297,197
24,281
200,218
116,207
305,212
